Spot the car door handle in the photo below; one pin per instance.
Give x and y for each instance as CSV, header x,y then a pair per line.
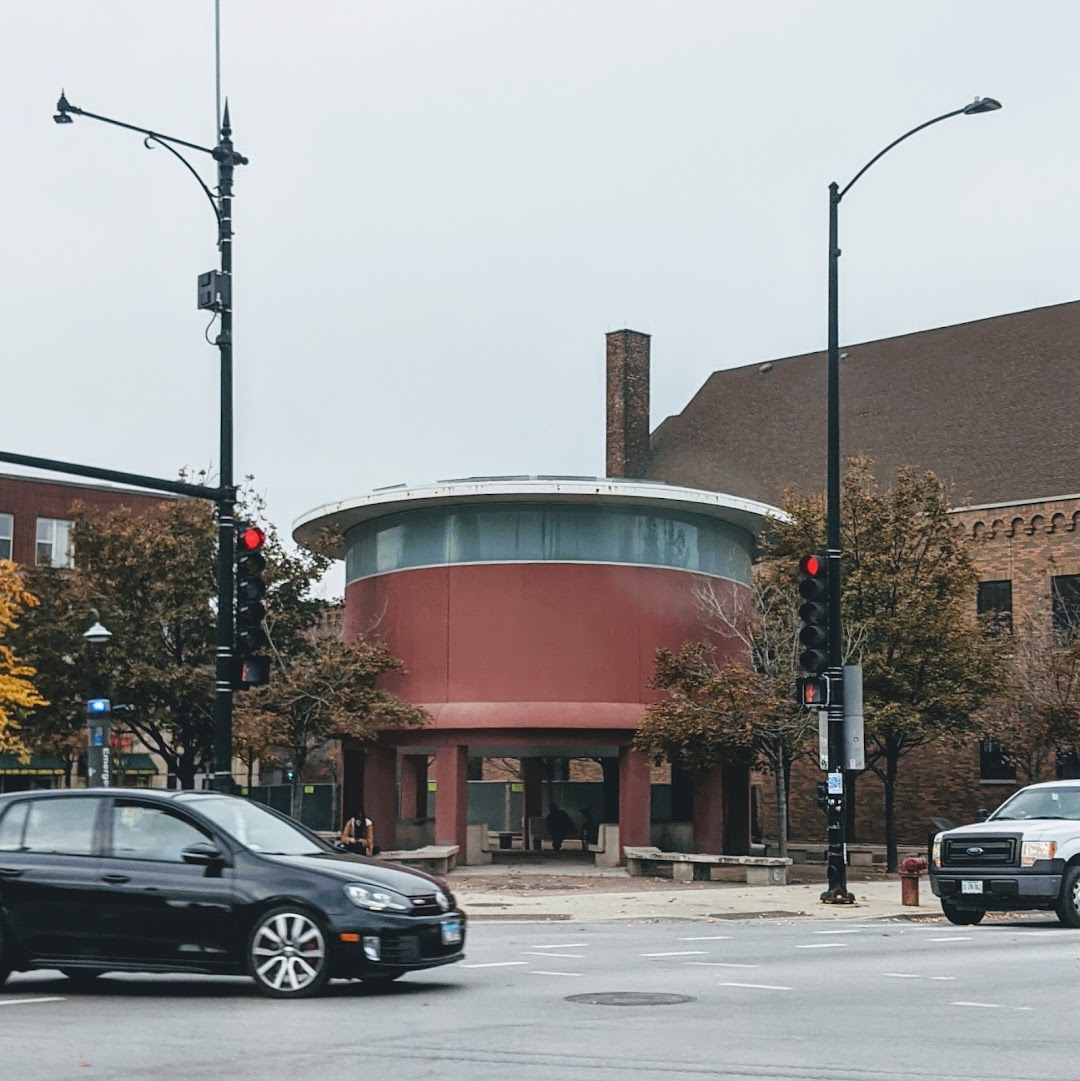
x,y
115,878
11,872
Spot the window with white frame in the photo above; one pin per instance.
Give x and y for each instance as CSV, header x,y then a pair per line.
x,y
54,543
7,528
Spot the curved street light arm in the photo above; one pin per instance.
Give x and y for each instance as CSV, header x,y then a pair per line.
x,y
937,119
63,107
149,143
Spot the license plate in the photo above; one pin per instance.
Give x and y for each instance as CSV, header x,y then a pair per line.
x,y
451,932
971,885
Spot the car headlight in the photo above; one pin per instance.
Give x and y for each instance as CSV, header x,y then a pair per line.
x,y
935,851
1031,851
375,899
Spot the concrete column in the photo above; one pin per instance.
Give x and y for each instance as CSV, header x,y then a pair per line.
x,y
414,773
352,783
635,797
452,796
610,766
682,794
709,811
380,793
532,776
737,810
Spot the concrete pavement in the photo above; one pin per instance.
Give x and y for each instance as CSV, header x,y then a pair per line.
x,y
575,892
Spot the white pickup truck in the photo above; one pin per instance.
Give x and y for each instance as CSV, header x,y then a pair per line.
x,y
1026,855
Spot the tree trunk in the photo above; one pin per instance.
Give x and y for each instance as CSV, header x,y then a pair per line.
x,y
891,861
782,804
185,771
250,774
299,759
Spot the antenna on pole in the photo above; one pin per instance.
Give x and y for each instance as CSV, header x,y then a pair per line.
x,y
217,66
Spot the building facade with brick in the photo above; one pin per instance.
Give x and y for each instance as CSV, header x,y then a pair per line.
x,y
984,406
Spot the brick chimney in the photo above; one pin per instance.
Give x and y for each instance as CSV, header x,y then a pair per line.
x,y
627,403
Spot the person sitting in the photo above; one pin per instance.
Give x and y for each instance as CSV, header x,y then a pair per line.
x,y
560,826
359,835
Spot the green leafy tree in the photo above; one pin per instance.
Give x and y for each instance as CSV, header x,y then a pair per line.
x,y
322,689
152,578
908,584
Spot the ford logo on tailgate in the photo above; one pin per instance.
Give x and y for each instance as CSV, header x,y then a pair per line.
x,y
974,851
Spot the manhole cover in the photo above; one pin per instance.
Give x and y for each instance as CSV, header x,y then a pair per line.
x,y
630,998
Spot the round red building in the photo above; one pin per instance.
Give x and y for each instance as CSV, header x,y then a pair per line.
x,y
528,612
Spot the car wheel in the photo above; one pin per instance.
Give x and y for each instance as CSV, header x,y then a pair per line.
x,y
963,917
384,977
82,977
286,953
1068,906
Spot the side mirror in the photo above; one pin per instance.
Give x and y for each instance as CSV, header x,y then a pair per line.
x,y
202,853
982,814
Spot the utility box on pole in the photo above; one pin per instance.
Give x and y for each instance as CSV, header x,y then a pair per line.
x,y
854,734
98,749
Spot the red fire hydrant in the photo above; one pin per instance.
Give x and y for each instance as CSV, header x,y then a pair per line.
x,y
910,870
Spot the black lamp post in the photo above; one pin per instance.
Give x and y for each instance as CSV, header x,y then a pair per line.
x,y
837,893
215,293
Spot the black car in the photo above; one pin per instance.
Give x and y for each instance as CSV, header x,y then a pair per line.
x,y
116,880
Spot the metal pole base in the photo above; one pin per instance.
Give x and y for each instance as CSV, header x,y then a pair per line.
x,y
838,897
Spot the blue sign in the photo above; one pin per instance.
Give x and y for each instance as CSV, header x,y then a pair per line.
x,y
97,737
98,705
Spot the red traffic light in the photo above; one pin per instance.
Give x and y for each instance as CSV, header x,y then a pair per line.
x,y
251,538
811,565
812,691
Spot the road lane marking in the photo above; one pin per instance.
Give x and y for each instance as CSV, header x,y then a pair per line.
x,y
758,986
951,938
30,1001
677,953
705,938
574,956
563,946
916,976
542,972
980,1005
721,964
845,931
821,946
496,964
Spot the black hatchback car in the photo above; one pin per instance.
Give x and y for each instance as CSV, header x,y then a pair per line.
x,y
116,880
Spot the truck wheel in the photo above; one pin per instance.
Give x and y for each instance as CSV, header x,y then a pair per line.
x,y
963,917
1068,906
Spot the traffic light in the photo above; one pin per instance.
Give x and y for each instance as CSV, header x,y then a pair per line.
x,y
252,670
812,691
814,613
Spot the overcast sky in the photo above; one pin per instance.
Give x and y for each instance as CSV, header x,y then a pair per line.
x,y
450,202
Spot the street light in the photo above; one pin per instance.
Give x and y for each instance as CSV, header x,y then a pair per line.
x,y
215,294
837,892
98,711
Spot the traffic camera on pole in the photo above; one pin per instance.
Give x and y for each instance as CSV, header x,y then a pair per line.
x,y
813,691
252,667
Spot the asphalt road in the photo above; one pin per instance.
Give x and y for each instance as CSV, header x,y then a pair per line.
x,y
791,1001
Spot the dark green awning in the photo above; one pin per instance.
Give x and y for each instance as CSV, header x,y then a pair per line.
x,y
137,764
38,766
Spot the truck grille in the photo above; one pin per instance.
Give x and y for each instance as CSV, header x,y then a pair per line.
x,y
980,851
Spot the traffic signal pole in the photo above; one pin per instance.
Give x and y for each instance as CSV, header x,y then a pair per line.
x,y
837,892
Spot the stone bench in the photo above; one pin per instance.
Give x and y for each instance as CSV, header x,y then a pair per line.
x,y
435,859
606,851
696,866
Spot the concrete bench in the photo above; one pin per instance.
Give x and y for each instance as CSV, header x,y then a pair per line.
x,y
606,851
435,859
477,844
696,866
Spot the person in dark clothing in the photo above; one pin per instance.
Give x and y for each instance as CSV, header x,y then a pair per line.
x,y
588,829
560,826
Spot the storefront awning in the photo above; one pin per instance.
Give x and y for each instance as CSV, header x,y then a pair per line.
x,y
37,766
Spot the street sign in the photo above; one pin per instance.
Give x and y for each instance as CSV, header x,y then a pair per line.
x,y
836,784
823,738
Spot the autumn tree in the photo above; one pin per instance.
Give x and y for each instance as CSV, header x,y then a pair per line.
x,y
908,584
152,577
324,688
18,694
1036,719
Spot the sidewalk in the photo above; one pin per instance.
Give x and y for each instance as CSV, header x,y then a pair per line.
x,y
583,894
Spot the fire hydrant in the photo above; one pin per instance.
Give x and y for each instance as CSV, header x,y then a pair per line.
x,y
910,870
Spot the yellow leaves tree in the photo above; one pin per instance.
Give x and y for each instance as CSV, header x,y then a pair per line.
x,y
17,693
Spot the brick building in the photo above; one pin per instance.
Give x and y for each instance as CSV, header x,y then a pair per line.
x,y
35,527
979,403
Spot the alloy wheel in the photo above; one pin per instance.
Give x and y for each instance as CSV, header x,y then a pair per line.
x,y
288,954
